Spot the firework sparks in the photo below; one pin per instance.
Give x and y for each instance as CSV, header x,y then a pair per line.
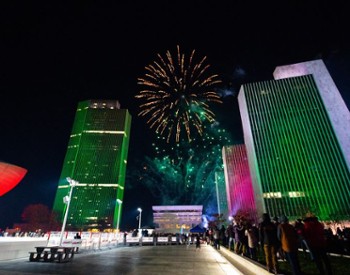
x,y
176,95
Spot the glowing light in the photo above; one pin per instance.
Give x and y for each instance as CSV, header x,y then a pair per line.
x,y
272,195
10,176
176,95
185,173
296,194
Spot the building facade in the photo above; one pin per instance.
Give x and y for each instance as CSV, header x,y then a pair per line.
x,y
239,188
296,132
96,158
221,197
176,218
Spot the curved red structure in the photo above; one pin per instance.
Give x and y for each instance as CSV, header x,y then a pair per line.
x,y
10,176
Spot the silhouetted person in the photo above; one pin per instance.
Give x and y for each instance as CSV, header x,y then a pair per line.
x,y
216,235
316,241
253,238
288,237
198,242
269,242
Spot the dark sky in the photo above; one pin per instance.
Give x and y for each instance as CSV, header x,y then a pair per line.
x,y
53,55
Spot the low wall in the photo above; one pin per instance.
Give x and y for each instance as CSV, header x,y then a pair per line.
x,y
15,248
244,265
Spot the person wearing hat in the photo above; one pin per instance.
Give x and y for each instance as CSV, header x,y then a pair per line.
x,y
289,241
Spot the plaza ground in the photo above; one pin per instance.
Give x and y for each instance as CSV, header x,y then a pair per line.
x,y
129,260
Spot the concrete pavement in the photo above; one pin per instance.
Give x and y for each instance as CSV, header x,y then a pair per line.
x,y
130,260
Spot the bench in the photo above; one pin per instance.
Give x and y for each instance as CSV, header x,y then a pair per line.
x,y
52,254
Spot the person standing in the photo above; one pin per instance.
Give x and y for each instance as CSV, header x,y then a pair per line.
x,y
222,236
216,235
198,242
239,230
316,241
269,242
231,236
252,233
280,253
288,237
299,228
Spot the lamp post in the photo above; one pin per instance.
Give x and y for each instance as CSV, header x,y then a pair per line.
x,y
140,210
119,208
67,200
118,218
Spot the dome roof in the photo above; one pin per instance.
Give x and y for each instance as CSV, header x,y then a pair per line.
x,y
10,176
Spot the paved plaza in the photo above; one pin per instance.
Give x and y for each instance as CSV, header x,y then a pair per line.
x,y
143,260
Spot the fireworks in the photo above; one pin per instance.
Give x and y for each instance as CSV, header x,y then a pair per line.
x,y
176,95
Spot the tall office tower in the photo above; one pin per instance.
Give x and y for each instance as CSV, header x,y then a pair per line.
x,y
239,189
221,198
96,158
296,131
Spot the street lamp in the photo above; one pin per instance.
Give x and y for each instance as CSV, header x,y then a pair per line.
x,y
67,200
140,210
119,208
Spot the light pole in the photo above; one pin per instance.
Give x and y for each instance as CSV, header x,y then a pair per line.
x,y
140,210
67,200
119,208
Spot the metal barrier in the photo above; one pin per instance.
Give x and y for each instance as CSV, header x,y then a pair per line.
x,y
52,254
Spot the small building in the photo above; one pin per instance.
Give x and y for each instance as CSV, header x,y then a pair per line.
x,y
176,218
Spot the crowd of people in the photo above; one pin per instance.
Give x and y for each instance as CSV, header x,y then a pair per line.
x,y
276,238
280,240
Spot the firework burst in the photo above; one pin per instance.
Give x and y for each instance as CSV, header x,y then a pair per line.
x,y
176,93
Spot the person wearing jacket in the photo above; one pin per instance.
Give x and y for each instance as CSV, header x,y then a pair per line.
x,y
268,240
288,237
316,241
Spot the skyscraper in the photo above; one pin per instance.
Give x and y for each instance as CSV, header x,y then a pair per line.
x,y
296,131
239,189
221,197
96,157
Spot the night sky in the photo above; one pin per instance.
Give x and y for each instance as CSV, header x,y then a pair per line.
x,y
53,55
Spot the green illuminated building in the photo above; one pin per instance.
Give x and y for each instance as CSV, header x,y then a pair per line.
x,y
96,157
221,197
296,131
